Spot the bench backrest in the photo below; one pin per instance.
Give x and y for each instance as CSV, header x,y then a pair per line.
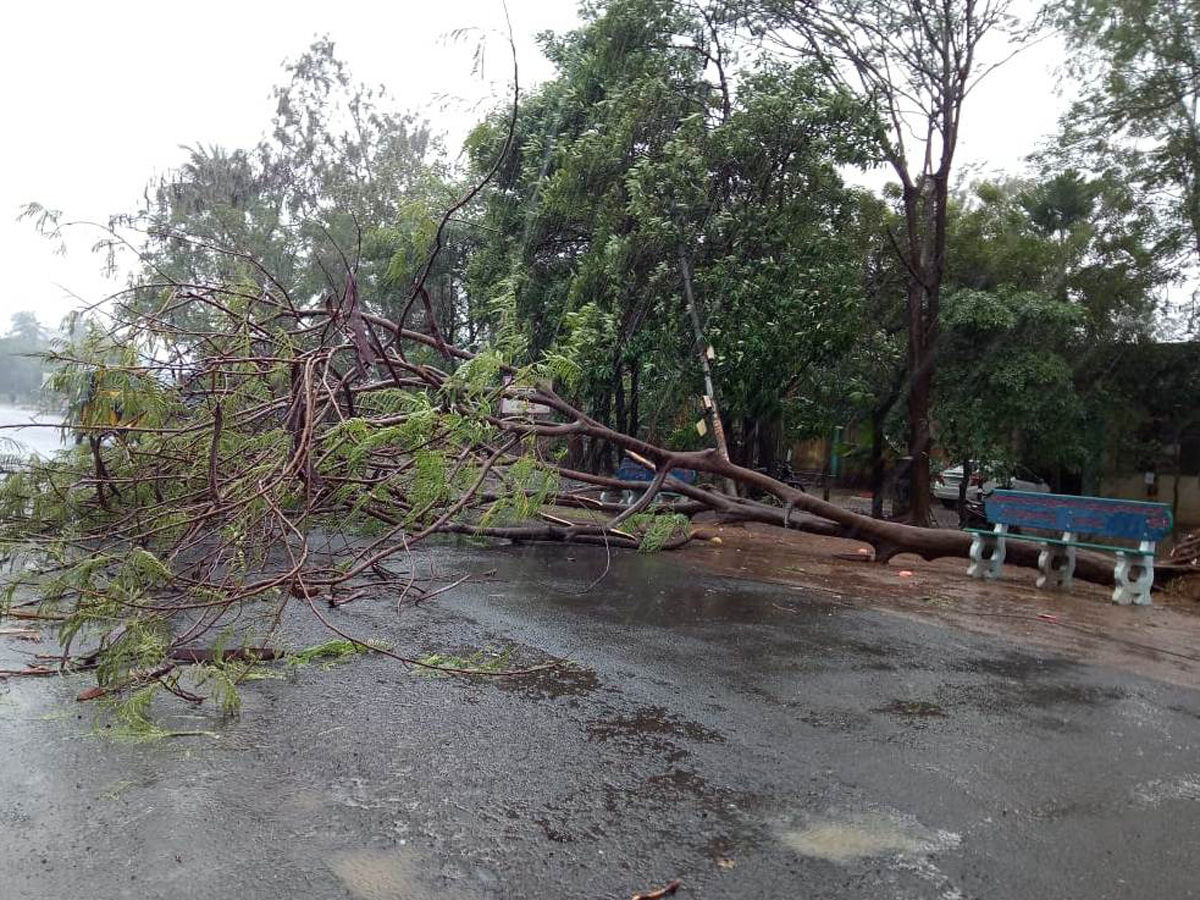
x,y
1129,519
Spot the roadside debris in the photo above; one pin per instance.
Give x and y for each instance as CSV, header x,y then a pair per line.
x,y
21,634
922,709
1187,551
670,888
32,671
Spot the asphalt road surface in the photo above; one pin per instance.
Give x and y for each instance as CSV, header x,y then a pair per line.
x,y
753,741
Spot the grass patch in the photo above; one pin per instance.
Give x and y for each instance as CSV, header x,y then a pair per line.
x,y
483,662
330,653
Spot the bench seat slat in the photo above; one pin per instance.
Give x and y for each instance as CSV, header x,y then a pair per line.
x,y
1034,539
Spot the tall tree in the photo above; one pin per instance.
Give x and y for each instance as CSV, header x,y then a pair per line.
x,y
639,147
917,62
341,180
1138,115
1081,240
21,371
1005,391
1046,281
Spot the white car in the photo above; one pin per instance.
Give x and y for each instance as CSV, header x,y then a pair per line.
x,y
946,482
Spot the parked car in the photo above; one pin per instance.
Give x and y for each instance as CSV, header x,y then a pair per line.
x,y
946,483
630,470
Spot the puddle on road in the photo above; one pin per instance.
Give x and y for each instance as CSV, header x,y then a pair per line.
x,y
648,722
408,874
358,793
564,681
843,839
378,874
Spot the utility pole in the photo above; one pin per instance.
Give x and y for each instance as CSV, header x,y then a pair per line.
x,y
710,396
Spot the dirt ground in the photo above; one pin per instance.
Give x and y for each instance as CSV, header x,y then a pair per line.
x,y
1162,641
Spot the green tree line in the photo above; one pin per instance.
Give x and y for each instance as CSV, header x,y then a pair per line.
x,y
708,141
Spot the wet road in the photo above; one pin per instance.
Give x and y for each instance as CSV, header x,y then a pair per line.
x,y
29,430
752,740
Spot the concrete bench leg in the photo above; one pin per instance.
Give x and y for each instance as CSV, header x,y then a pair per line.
x,y
1057,564
1134,575
987,554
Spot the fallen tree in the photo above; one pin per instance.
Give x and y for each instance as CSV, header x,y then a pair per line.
x,y
220,462
242,450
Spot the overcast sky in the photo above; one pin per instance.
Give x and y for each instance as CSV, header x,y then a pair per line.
x,y
97,97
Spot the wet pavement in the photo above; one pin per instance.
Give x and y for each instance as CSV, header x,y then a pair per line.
x,y
753,740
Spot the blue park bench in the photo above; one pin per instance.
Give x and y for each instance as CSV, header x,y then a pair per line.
x,y
1096,517
629,470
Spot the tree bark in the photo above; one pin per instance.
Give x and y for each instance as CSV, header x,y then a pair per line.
x,y
599,452
768,432
635,371
878,415
618,387
962,493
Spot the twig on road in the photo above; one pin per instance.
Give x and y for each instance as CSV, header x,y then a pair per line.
x,y
670,888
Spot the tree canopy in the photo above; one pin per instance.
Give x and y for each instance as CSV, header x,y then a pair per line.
x,y
1137,119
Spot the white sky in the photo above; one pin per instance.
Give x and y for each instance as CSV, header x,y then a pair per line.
x,y
97,97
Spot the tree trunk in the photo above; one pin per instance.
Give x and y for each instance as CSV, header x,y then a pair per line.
x,y
600,452
618,387
919,390
962,493
1177,473
888,538
576,452
768,429
747,449
451,327
877,465
635,370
